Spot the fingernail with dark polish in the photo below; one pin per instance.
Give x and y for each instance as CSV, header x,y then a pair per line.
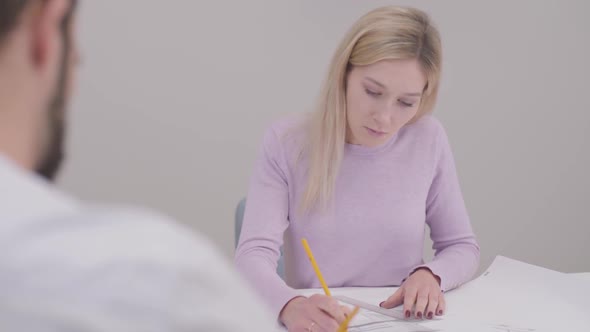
x,y
407,313
430,315
381,304
440,312
419,314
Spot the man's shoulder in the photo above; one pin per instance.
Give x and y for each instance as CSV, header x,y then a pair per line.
x,y
98,235
134,261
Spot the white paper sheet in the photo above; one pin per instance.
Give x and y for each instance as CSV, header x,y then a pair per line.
x,y
368,321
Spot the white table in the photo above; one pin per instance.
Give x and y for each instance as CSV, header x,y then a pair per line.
x,y
374,295
583,275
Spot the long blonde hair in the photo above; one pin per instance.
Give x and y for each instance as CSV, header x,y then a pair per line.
x,y
385,33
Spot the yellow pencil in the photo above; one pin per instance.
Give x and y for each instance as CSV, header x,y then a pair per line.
x,y
344,326
315,266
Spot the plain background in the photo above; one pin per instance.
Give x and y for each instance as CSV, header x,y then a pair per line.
x,y
174,96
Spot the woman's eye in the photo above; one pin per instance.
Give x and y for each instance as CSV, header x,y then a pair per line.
x,y
405,104
372,93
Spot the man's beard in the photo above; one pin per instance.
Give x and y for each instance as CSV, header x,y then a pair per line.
x,y
52,148
52,153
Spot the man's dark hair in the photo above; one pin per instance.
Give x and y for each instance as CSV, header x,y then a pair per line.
x,y
11,10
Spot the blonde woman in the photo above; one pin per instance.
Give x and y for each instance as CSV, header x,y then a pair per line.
x,y
360,179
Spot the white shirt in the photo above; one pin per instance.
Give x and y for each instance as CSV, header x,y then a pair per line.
x,y
65,266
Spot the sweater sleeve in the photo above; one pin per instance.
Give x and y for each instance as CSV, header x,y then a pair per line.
x,y
456,249
265,221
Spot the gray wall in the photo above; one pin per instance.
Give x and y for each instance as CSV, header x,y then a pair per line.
x,y
174,97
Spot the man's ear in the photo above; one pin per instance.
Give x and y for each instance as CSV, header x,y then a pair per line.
x,y
46,36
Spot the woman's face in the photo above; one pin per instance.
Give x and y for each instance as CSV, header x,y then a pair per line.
x,y
381,98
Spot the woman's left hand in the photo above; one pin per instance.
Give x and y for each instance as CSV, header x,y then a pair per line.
x,y
422,289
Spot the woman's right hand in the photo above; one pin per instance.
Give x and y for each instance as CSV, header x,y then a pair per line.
x,y
318,313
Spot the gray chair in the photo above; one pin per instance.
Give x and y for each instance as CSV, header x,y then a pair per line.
x,y
238,228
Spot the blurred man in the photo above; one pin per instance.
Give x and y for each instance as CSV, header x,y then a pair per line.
x,y
65,266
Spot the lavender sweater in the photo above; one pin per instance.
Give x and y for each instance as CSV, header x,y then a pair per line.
x,y
372,233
